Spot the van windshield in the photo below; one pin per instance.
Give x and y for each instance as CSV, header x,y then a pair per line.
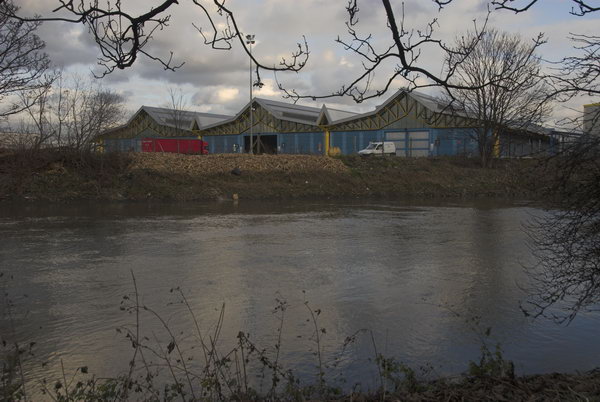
x,y
371,145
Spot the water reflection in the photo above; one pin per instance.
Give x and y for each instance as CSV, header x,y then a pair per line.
x,y
412,273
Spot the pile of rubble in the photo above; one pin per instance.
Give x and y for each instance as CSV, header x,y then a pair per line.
x,y
225,163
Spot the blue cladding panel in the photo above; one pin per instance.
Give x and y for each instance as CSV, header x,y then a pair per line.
x,y
223,144
109,145
454,141
518,146
350,142
301,143
287,143
415,142
123,145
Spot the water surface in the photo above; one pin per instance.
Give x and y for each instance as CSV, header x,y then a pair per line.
x,y
413,273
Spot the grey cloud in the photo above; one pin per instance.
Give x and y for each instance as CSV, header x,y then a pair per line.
x,y
207,100
278,26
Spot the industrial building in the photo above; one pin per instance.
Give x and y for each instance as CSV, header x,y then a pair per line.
x,y
277,127
154,122
418,124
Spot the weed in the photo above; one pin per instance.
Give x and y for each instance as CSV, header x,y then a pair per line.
x,y
492,364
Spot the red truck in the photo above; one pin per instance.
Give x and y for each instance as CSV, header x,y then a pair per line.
x,y
175,145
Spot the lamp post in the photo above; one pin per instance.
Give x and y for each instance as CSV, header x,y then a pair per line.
x,y
250,41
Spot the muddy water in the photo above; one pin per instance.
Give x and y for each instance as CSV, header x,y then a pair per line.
x,y
415,274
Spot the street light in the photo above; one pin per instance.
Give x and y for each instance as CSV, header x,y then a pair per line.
x,y
250,41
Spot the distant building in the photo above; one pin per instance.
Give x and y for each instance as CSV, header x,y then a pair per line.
x,y
591,119
419,125
154,122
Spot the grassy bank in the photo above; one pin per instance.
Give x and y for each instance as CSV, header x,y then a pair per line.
x,y
55,176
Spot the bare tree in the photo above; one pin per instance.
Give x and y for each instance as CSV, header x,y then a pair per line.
x,y
123,35
22,61
178,105
566,239
580,7
578,75
505,91
72,112
34,123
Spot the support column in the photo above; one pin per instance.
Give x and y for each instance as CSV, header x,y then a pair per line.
x,y
496,146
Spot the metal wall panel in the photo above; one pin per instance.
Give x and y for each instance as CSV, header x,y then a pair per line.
x,y
123,145
287,143
407,122
519,145
147,133
454,141
417,144
350,142
410,143
419,135
395,136
301,143
223,144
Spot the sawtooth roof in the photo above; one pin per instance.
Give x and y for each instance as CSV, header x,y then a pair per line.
x,y
280,110
329,115
430,102
180,118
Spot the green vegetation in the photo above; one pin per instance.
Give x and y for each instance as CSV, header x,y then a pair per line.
x,y
54,176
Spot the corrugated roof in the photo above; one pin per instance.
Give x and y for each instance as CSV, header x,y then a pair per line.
x,y
328,115
337,114
290,112
280,110
430,102
181,118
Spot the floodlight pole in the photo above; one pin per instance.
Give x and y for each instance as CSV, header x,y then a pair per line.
x,y
250,41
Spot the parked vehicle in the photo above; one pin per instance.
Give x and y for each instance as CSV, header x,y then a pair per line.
x,y
175,145
379,148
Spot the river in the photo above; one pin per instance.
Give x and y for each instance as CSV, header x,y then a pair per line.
x,y
426,279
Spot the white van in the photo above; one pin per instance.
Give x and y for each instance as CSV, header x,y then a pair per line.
x,y
379,148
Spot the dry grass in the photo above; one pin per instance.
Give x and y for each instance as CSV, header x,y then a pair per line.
x,y
138,176
224,163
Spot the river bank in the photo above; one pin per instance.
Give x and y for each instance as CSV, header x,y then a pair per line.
x,y
52,176
417,276
549,387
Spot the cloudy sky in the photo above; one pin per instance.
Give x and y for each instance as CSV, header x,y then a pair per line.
x,y
217,81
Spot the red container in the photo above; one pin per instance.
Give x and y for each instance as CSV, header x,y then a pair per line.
x,y
175,145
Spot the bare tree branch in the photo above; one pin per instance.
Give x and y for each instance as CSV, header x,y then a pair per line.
x,y
581,7
515,100
23,62
566,240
